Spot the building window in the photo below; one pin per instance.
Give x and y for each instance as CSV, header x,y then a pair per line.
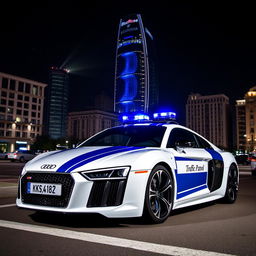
x,y
21,87
4,94
8,134
12,84
34,90
19,104
3,101
27,88
4,83
10,110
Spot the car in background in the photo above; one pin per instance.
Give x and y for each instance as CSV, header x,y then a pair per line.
x,y
21,155
253,164
243,159
3,155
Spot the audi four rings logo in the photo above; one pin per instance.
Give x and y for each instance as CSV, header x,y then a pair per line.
x,y
48,166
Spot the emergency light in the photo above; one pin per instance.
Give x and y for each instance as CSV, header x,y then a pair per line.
x,y
141,117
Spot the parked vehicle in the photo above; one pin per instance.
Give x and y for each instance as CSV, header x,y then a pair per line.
x,y
3,155
243,159
21,155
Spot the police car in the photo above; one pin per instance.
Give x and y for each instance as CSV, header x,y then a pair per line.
x,y
137,169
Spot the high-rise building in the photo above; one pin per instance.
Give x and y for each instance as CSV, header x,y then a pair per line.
x,y
136,88
21,111
209,116
56,105
246,122
240,125
250,119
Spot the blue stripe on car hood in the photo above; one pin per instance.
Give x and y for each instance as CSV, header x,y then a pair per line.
x,y
92,156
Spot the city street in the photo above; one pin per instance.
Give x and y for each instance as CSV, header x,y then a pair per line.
x,y
207,229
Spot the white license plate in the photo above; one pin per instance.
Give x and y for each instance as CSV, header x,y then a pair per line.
x,y
44,189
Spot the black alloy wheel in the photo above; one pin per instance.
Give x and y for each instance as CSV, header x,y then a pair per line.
x,y
232,185
159,195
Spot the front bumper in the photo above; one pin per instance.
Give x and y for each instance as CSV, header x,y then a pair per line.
x,y
112,199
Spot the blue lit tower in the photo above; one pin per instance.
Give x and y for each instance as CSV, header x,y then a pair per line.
x,y
56,107
135,91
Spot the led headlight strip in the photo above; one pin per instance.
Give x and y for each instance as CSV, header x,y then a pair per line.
x,y
116,173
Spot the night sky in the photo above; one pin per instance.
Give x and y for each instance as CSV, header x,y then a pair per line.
x,y
207,48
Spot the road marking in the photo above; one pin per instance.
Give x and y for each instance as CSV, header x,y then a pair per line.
x,y
245,173
7,205
14,187
107,240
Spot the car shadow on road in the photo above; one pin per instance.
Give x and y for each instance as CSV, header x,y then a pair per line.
x,y
84,220
78,220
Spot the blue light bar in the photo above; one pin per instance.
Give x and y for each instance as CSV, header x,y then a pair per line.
x,y
141,117
135,118
164,115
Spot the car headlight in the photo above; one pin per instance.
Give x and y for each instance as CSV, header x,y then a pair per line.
x,y
105,174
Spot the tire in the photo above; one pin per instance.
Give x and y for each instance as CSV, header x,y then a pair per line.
x,y
232,185
22,160
159,195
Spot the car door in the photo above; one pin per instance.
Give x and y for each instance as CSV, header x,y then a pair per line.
x,y
191,164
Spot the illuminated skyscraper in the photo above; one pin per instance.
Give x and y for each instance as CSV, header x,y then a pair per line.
x,y
56,111
135,88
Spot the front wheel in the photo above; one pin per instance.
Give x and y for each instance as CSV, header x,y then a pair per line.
x,y
159,195
232,185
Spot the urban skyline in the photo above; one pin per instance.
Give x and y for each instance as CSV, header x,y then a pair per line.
x,y
196,52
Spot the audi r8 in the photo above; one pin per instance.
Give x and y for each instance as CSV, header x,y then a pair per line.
x,y
145,169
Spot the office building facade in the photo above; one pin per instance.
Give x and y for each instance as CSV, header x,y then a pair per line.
x,y
21,112
84,124
250,119
56,104
209,116
136,88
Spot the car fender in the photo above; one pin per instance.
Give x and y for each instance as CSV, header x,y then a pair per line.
x,y
138,177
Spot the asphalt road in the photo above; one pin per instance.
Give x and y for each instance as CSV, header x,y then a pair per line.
x,y
212,227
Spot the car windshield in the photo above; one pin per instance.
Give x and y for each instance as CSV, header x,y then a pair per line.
x,y
137,136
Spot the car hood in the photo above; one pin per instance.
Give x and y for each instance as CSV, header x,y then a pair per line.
x,y
85,158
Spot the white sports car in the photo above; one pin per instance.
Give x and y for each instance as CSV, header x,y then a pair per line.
x,y
133,170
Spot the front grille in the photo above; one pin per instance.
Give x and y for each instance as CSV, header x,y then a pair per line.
x,y
47,200
107,193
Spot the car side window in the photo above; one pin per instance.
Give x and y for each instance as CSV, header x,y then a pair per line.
x,y
181,138
202,143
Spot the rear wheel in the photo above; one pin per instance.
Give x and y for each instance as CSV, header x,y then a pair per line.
x,y
22,160
232,185
159,195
